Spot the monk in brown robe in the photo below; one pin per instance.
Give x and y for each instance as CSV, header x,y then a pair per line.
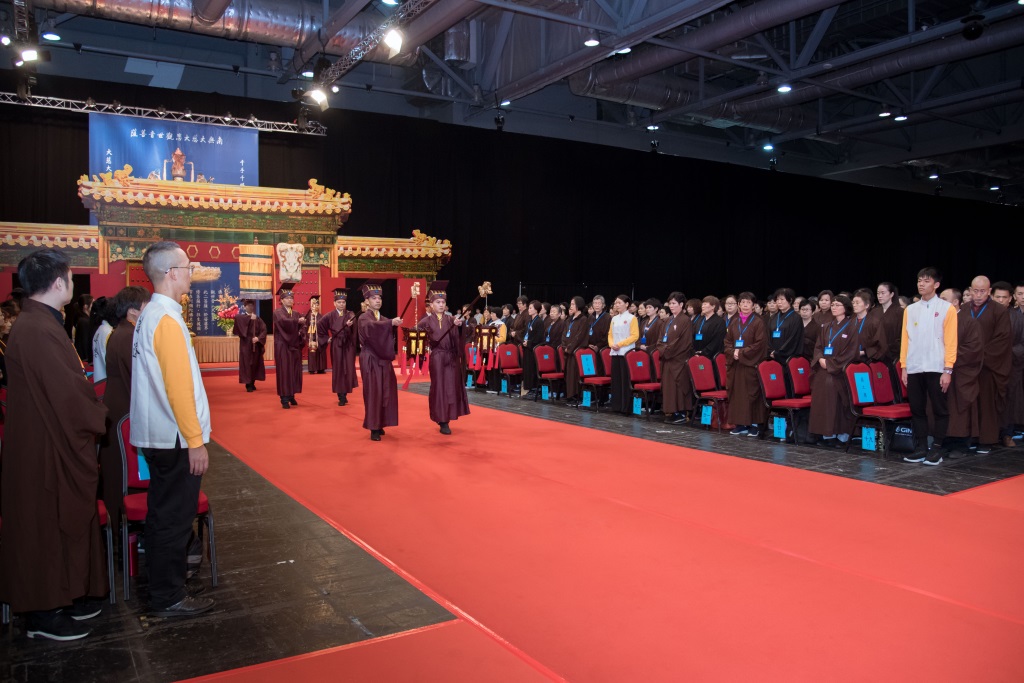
x,y
837,345
872,337
316,360
823,316
128,304
994,321
746,344
676,346
650,327
573,339
1015,390
890,313
289,340
1002,293
252,340
517,330
52,555
380,388
811,329
337,331
962,395
448,399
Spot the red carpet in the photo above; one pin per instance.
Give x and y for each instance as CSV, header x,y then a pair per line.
x,y
1008,494
608,558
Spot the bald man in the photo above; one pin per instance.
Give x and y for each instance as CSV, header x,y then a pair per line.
x,y
996,338
962,396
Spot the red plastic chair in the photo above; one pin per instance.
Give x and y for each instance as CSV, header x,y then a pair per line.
x,y
547,369
136,505
897,378
705,387
720,370
879,408
100,388
598,384
561,358
646,380
101,510
773,389
800,374
606,361
508,364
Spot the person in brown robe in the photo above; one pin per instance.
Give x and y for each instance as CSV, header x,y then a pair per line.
x,y
823,316
316,360
380,388
573,339
289,340
448,399
127,305
962,395
746,344
1002,294
811,329
676,346
1015,389
650,326
533,336
994,321
51,557
872,337
597,327
837,345
337,331
890,313
517,330
252,340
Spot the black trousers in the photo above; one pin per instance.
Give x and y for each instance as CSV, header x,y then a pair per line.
x,y
923,389
173,502
621,388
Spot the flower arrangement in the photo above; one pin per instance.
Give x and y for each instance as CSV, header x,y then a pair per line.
x,y
225,310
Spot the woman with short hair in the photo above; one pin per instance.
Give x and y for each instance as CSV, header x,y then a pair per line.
x,y
746,344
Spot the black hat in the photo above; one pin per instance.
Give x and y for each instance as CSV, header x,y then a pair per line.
x,y
315,296
438,289
286,289
340,295
372,288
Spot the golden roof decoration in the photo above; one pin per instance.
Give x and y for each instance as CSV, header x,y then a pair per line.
x,y
49,235
417,246
121,188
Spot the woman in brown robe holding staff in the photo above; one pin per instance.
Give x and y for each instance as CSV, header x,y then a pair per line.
x,y
837,345
448,400
746,343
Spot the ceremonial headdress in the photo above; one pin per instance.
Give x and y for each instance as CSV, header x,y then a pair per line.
x,y
340,295
438,289
285,290
372,288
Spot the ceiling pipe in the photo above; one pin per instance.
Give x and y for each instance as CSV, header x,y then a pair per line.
x,y
209,11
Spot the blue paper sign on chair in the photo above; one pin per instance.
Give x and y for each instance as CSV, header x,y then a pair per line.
x,y
508,353
779,426
864,393
143,469
469,381
504,386
772,376
638,405
799,371
544,392
588,366
869,439
705,415
586,399
640,363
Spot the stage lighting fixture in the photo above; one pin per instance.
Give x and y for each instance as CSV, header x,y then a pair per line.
x,y
506,103
499,122
29,54
5,40
624,51
973,27
592,40
933,175
307,73
900,117
227,117
320,97
48,31
118,106
390,3
768,146
784,88
90,103
188,113
335,88
393,40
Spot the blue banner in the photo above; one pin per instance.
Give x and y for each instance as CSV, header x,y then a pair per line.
x,y
215,302
214,154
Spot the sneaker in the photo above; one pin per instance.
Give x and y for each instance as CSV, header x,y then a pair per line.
x,y
84,608
914,457
754,431
186,607
738,430
983,450
55,625
934,458
679,419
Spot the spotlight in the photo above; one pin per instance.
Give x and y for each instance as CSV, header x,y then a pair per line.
x,y
624,51
90,103
973,27
994,188
252,119
900,117
161,111
390,3
188,113
118,106
499,122
653,127
29,54
933,176
335,88
48,31
393,40
572,118
318,96
506,103
302,122
227,117
768,147
784,88
5,40
654,146
885,111
591,40
18,62
307,73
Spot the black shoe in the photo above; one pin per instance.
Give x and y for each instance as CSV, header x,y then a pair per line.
x,y
933,458
917,456
84,608
284,404
55,625
291,399
375,435
250,388
445,429
342,400
188,606
956,454
983,450
382,432
678,419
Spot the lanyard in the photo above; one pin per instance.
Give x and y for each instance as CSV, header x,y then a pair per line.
x,y
702,321
530,326
779,319
833,337
571,323
547,335
862,321
744,328
664,338
979,312
597,320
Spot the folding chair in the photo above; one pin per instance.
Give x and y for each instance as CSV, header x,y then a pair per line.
x,y
101,510
646,380
773,389
136,505
100,388
871,400
508,364
590,374
705,388
547,370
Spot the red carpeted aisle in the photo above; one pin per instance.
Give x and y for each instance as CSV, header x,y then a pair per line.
x,y
608,558
1008,494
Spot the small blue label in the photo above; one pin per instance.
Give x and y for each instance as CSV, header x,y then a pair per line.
x,y
508,353
586,399
828,351
772,377
143,469
800,371
698,337
638,405
588,366
869,438
544,392
547,357
779,427
705,415
504,386
864,393
469,381
639,363
776,335
739,343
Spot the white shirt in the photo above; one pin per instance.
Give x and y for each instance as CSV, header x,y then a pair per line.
x,y
99,351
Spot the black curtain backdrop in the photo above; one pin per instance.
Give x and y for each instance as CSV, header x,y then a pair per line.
x,y
527,209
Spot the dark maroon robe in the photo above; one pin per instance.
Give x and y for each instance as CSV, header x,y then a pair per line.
x,y
810,331
1014,414
289,340
962,394
574,338
676,346
338,331
118,398
380,388
251,366
448,399
994,322
517,330
51,552
830,409
892,327
872,340
746,407
316,360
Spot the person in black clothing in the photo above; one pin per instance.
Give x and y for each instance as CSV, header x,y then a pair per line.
x,y
708,329
785,328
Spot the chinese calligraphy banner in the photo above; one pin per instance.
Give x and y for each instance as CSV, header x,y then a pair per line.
x,y
214,154
214,303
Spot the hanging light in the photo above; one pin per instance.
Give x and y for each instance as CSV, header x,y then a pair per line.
x,y
784,88
390,3
624,51
48,31
653,127
933,175
29,54
335,88
900,117
768,146
995,188
5,40
592,40
307,73
505,103
394,39
885,111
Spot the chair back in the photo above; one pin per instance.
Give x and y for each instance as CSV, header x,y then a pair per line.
x,y
702,373
773,384
859,372
881,383
508,356
639,363
720,368
545,356
656,359
583,365
100,388
129,457
800,373
898,371
468,355
606,361
561,358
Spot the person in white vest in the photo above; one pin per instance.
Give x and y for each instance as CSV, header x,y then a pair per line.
x,y
170,424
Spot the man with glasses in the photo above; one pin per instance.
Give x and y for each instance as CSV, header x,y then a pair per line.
x,y
994,321
171,427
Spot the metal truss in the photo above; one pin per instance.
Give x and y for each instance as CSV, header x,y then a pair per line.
x,y
89,107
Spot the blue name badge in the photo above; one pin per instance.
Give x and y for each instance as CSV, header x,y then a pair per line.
x,y
869,439
828,351
739,344
698,337
638,405
643,340
544,392
469,381
705,415
777,334
586,399
504,386
588,366
779,428
864,393
143,469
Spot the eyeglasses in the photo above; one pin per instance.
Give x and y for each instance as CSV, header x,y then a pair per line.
x,y
191,268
